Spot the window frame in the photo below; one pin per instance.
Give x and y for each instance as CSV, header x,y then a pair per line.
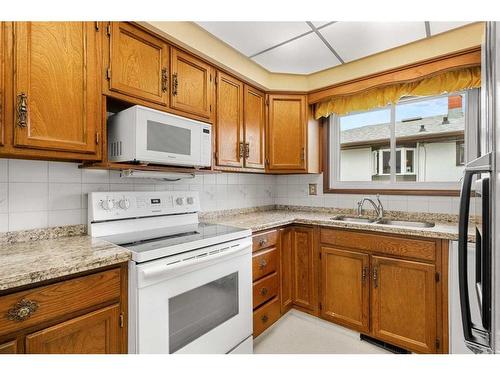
x,y
331,150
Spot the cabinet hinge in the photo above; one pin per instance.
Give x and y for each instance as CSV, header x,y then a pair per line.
x,y
319,255
210,107
320,306
267,101
216,154
108,73
121,320
216,80
438,277
267,161
210,78
96,25
108,30
97,138
438,344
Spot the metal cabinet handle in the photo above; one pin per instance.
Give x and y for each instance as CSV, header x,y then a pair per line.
x,y
164,80
262,241
262,264
302,154
264,318
175,83
22,310
263,291
247,150
242,150
22,110
375,277
364,273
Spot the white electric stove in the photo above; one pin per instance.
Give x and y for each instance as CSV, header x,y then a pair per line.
x,y
190,283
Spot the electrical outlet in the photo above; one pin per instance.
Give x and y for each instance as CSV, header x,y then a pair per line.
x,y
313,189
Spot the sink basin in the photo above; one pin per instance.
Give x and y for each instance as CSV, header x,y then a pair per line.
x,y
402,223
354,219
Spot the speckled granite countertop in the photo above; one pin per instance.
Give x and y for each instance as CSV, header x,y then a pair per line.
x,y
262,220
25,263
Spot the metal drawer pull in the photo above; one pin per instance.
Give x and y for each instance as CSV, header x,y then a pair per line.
x,y
242,151
375,277
164,80
22,310
263,291
262,241
22,110
264,318
175,83
247,150
363,275
262,264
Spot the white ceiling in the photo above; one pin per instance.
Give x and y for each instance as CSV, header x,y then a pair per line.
x,y
308,47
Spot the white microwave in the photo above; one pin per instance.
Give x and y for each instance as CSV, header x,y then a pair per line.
x,y
144,135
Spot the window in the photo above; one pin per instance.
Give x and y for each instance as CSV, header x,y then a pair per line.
x,y
418,143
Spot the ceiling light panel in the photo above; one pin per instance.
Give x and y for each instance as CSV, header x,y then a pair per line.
x,y
301,56
253,37
354,40
438,27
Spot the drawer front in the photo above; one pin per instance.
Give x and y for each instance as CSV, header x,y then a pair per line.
x,y
384,244
34,306
265,316
265,240
265,289
264,263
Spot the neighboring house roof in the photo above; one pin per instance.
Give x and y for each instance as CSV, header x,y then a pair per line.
x,y
380,133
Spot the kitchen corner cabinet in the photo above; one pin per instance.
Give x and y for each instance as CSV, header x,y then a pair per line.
x,y
54,97
240,125
292,135
138,64
192,84
80,315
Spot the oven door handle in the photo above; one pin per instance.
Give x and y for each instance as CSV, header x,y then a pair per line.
x,y
210,255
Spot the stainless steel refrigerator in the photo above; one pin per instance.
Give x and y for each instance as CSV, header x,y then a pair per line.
x,y
478,263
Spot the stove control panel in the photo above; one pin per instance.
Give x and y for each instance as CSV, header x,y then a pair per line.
x,y
124,205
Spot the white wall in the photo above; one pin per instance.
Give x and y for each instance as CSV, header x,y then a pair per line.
x,y
439,162
38,194
356,164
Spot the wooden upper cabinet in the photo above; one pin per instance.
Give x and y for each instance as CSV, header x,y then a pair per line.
x,y
404,303
229,124
303,269
192,84
255,127
93,333
345,288
287,135
57,90
138,64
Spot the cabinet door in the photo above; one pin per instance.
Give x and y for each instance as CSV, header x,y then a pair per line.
x,y
57,90
303,268
287,136
138,64
191,84
230,147
255,127
404,303
286,268
344,288
93,333
9,347
2,85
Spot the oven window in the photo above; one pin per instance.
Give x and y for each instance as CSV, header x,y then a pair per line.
x,y
167,138
195,312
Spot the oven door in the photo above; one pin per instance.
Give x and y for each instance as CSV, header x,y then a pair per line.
x,y
201,305
168,139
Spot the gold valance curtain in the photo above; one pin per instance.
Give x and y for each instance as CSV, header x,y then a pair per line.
x,y
451,81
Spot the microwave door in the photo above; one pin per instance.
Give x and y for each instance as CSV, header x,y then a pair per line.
x,y
474,273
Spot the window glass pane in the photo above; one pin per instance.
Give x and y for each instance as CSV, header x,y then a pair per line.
x,y
195,312
432,128
362,136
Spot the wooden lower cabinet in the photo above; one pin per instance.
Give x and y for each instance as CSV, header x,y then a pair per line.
x,y
404,303
286,268
345,297
80,315
303,269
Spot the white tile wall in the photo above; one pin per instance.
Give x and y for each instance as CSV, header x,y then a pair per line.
x,y
37,194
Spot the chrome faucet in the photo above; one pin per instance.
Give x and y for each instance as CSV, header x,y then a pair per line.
x,y
379,209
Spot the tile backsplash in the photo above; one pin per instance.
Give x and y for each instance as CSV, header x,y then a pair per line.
x,y
38,194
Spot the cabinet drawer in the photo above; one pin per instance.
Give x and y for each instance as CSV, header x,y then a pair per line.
x,y
265,240
56,300
384,244
265,289
264,262
265,316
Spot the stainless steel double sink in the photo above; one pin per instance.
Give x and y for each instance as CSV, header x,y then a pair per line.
x,y
389,222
